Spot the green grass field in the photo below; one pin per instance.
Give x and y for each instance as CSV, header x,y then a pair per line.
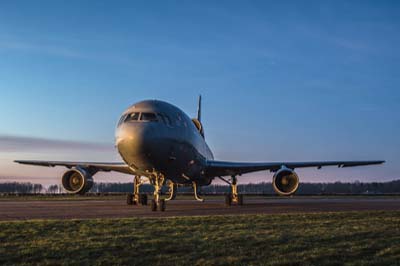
x,y
351,238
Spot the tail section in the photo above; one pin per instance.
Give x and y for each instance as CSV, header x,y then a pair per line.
x,y
199,109
197,121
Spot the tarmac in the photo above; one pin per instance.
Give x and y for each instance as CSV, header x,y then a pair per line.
x,y
112,208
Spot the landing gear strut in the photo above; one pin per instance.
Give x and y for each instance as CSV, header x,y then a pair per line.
x,y
157,203
233,197
172,189
196,192
136,198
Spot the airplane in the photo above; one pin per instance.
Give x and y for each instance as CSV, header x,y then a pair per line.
x,y
159,143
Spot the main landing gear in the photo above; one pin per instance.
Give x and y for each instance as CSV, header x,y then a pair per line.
x,y
136,198
233,197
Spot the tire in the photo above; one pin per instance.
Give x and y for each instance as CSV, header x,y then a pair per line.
x,y
143,199
240,200
129,199
228,200
153,205
140,199
162,205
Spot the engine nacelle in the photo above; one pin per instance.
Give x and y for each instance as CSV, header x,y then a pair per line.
x,y
77,181
198,125
285,182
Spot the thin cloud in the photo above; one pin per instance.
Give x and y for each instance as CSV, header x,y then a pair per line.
x,y
40,48
9,143
10,44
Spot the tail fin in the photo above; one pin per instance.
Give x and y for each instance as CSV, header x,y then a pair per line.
x,y
199,109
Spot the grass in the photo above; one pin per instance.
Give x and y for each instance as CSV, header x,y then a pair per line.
x,y
351,238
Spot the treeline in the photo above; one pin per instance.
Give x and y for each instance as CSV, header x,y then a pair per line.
x,y
266,188
391,187
16,187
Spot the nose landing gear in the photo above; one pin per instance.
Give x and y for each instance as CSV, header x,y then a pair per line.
x,y
161,205
157,180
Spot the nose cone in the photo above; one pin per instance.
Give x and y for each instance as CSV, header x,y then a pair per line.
x,y
135,143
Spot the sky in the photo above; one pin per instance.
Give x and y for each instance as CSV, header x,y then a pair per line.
x,y
280,80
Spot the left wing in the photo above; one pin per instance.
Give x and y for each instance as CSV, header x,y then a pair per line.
x,y
105,167
219,168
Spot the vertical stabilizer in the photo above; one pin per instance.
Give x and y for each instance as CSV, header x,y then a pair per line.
x,y
199,109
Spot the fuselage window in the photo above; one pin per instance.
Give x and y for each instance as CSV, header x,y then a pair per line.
x,y
132,117
151,117
163,118
178,120
168,120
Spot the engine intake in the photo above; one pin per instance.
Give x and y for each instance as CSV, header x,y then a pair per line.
x,y
285,182
198,125
77,181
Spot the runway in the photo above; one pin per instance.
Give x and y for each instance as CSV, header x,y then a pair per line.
x,y
112,208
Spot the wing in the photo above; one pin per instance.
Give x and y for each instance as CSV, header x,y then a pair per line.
x,y
105,167
219,168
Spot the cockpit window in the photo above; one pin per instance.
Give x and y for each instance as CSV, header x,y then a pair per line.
x,y
122,119
132,117
148,117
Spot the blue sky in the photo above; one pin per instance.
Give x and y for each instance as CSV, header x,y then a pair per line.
x,y
309,80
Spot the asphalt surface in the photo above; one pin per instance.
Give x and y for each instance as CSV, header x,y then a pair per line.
x,y
111,208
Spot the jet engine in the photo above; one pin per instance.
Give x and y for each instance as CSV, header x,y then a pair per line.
x,y
198,125
285,182
77,181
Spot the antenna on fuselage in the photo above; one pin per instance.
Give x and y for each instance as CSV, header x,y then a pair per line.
x,y
199,109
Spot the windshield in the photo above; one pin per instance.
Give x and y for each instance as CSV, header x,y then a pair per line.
x,y
148,117
132,117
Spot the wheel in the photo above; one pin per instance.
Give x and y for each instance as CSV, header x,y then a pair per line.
x,y
240,200
153,205
129,199
143,199
228,200
162,205
140,199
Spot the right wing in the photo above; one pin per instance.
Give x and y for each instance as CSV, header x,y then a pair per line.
x,y
219,168
105,167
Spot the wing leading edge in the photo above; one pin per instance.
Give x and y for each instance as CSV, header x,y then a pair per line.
x,y
105,167
213,168
220,168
